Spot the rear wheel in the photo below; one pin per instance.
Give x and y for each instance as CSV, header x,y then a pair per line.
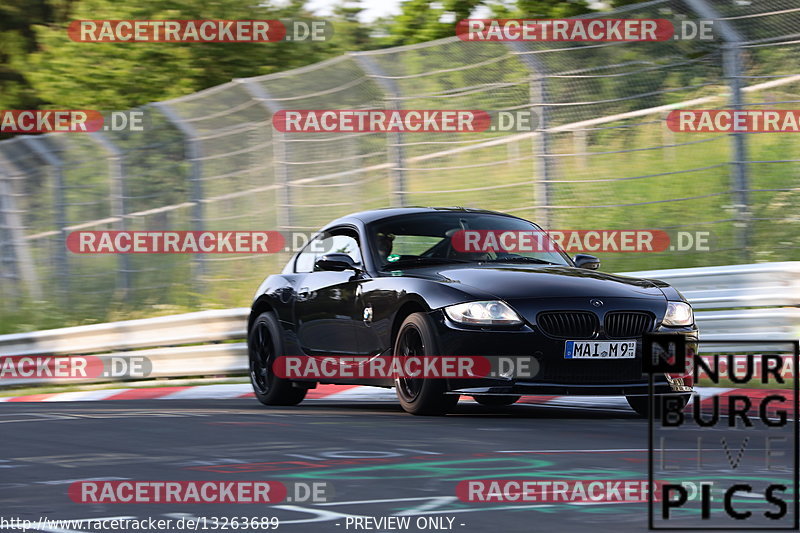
x,y
263,346
641,404
496,401
421,396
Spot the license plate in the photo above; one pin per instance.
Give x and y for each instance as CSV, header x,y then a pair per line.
x,y
600,350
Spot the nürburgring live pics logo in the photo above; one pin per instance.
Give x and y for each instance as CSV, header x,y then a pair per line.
x,y
730,460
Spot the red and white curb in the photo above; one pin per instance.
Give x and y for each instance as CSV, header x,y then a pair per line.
x,y
205,392
346,393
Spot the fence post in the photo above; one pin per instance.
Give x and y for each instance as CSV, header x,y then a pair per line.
x,y
117,200
61,261
396,150
732,71
10,270
280,152
22,261
538,97
195,154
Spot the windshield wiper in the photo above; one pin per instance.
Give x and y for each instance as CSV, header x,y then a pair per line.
x,y
522,259
422,261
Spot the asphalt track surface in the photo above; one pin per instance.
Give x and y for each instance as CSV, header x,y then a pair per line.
x,y
379,461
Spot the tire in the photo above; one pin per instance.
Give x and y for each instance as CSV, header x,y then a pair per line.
x,y
641,404
416,337
496,401
264,343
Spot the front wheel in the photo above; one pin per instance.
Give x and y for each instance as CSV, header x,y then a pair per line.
x,y
419,396
263,346
641,404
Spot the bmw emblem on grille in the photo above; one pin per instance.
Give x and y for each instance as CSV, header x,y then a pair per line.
x,y
596,303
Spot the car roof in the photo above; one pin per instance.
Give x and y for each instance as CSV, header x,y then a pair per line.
x,y
367,217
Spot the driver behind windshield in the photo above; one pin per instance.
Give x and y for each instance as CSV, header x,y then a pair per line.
x,y
384,243
427,238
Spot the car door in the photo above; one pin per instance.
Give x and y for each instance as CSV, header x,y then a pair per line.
x,y
325,301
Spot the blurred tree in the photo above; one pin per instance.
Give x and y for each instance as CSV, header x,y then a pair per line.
x,y
426,20
552,8
41,67
350,33
17,40
124,75
539,8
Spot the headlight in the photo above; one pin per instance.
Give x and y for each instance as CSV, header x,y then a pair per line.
x,y
491,313
678,314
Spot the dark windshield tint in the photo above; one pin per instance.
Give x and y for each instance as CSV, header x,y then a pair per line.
x,y
420,239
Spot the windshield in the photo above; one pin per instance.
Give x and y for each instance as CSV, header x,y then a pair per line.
x,y
444,237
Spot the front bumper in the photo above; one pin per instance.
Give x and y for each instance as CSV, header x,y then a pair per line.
x,y
557,376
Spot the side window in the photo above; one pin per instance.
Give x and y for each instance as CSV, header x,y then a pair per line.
x,y
307,256
340,241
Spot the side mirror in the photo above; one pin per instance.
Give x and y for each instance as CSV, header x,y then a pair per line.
x,y
335,262
589,262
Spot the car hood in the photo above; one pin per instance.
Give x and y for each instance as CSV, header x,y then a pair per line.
x,y
515,282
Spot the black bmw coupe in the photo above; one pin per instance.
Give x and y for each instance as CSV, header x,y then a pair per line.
x,y
393,283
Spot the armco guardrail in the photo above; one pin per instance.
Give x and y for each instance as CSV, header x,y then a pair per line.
x,y
190,344
740,302
758,302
